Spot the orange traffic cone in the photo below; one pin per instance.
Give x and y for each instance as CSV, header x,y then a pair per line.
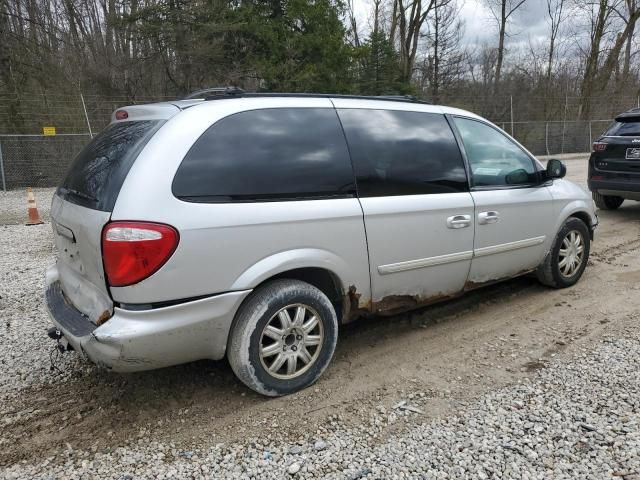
x,y
34,216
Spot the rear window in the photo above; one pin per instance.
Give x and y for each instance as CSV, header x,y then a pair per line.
x,y
268,155
97,173
629,128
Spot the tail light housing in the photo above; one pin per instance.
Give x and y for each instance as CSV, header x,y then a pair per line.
x,y
599,146
133,251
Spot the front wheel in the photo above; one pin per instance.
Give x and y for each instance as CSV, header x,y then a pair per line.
x,y
568,257
283,337
607,202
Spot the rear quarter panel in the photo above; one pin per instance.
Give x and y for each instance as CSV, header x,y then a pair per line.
x,y
235,246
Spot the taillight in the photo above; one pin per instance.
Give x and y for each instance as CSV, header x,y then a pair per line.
x,y
122,115
599,146
133,251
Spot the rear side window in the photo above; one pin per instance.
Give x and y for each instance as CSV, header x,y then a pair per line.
x,y
403,153
270,154
98,172
624,129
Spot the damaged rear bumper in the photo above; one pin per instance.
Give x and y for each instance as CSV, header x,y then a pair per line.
x,y
147,339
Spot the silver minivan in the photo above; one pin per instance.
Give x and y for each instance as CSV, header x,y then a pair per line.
x,y
252,225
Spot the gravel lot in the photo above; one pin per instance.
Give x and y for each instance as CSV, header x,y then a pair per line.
x,y
574,420
511,381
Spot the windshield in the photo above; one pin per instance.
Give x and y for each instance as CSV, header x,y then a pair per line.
x,y
97,173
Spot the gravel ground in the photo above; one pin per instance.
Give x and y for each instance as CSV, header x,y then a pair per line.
x,y
574,420
26,252
511,381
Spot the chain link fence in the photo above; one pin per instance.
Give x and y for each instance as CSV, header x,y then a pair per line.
x,y
41,161
37,160
556,137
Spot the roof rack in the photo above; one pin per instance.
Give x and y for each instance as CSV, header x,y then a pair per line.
x,y
406,98
235,92
207,93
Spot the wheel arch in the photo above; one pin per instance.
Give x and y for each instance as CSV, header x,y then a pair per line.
x,y
579,209
585,217
324,280
322,269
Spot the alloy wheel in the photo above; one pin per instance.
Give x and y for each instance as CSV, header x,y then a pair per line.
x,y
291,341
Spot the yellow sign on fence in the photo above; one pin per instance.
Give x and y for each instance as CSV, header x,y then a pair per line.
x,y
48,131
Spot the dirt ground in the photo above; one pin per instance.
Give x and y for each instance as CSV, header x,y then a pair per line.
x,y
447,355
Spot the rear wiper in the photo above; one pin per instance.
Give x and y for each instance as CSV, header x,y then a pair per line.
x,y
79,194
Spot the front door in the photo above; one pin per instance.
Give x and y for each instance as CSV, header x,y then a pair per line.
x,y
513,210
418,212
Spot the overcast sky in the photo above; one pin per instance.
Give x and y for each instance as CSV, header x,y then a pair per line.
x,y
529,22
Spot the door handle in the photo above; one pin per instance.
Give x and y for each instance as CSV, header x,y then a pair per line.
x,y
485,218
459,221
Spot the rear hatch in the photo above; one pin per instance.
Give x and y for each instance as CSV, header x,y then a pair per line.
x,y
618,150
82,206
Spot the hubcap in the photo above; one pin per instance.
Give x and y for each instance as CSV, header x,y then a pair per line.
x,y
571,253
291,340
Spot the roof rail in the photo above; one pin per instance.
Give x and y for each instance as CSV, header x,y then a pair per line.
x,y
631,113
236,92
214,92
406,98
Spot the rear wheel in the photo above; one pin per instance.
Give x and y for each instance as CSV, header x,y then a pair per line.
x,y
568,257
283,337
607,202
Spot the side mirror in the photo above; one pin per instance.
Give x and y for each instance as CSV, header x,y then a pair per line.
x,y
517,177
555,169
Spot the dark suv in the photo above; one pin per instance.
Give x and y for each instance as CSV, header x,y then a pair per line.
x,y
614,166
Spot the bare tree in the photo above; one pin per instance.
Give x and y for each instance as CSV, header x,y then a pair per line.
x,y
556,15
632,8
597,74
502,11
407,20
353,23
445,60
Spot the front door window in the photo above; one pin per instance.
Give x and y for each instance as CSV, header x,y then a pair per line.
x,y
494,159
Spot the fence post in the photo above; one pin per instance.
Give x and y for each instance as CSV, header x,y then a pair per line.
x,y
511,104
564,121
4,183
590,137
84,106
546,136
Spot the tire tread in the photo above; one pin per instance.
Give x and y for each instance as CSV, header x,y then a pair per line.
x,y
606,202
248,316
546,271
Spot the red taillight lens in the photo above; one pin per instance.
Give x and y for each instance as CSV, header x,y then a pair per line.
x,y
122,115
599,146
133,251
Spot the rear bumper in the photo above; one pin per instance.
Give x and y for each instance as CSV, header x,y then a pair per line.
x,y
613,186
147,339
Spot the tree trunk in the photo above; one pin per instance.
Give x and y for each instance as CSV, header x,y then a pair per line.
x,y
591,67
503,27
436,58
603,74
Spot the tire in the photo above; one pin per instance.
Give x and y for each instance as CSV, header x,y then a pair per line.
x,y
607,202
249,337
552,272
